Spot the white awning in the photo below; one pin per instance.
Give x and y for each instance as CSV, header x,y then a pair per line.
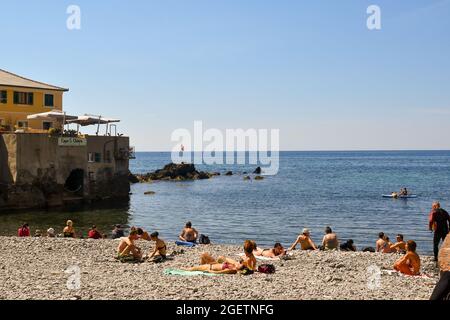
x,y
90,120
51,115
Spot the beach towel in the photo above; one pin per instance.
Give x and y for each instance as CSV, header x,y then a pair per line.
x,y
179,272
185,243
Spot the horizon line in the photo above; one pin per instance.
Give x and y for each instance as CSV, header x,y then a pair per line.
x,y
324,150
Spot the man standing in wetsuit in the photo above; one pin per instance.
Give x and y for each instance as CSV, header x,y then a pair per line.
x,y
439,221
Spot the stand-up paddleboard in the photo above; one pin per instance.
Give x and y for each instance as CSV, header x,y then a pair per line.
x,y
411,196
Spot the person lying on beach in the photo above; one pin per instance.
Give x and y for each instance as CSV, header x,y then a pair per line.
x,y
399,246
127,250
348,246
381,245
69,231
330,240
305,241
188,234
409,264
225,265
159,253
276,251
143,234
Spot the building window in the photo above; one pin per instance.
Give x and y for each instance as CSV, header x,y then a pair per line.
x,y
48,100
3,96
46,125
94,157
23,98
22,124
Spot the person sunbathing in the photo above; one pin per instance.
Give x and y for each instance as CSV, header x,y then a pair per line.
x,y
159,253
275,252
305,241
127,250
399,246
225,265
409,264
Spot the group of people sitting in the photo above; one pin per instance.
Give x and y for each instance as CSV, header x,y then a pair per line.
x,y
403,193
67,232
128,251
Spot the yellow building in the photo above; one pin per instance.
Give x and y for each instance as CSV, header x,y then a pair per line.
x,y
20,97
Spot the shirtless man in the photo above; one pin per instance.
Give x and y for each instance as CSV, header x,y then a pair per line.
x,y
330,240
127,250
399,246
275,252
410,263
189,234
305,241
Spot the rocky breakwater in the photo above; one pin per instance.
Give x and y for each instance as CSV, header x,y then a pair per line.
x,y
173,172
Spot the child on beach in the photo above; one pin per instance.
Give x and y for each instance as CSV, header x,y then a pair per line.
x,y
409,264
159,254
305,241
127,250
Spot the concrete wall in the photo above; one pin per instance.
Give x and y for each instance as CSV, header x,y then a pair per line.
x,y
36,168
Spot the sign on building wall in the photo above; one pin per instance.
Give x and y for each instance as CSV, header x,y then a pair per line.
x,y
71,142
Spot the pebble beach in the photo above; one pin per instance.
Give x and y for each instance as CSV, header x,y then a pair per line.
x,y
39,269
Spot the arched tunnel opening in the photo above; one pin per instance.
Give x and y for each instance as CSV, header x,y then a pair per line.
x,y
75,182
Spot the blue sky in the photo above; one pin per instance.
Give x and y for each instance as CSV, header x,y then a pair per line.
x,y
309,68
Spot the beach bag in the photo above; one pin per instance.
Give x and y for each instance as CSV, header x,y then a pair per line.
x,y
204,239
246,271
266,268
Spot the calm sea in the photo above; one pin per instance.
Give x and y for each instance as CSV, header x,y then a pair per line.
x,y
312,189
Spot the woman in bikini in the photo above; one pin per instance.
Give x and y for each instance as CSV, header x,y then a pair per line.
x,y
275,252
160,252
225,265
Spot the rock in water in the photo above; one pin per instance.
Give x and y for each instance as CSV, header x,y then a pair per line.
x,y
247,178
132,178
149,192
177,172
229,173
257,170
259,178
